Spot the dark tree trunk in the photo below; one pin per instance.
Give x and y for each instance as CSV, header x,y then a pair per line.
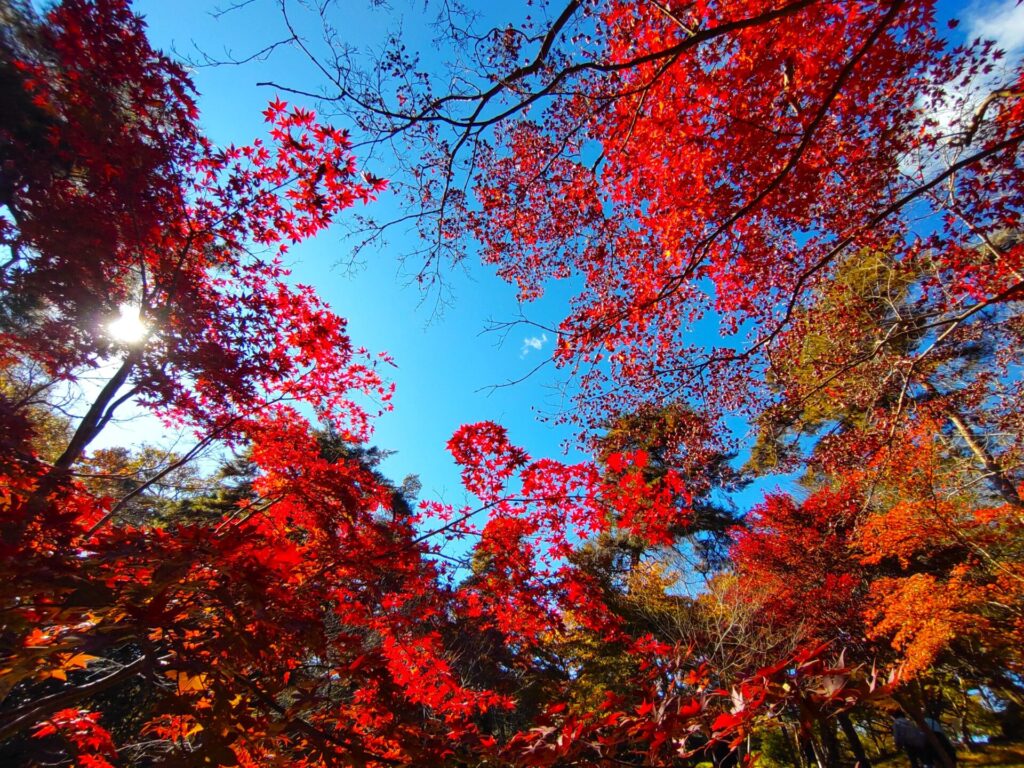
x,y
916,714
965,708
829,753
853,739
792,748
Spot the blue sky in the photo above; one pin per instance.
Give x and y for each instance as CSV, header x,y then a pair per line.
x,y
445,364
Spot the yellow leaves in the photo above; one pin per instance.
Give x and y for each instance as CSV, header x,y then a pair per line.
x,y
79,661
187,683
193,730
66,662
173,727
648,583
922,615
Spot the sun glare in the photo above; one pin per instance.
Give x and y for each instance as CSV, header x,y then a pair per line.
x,y
129,328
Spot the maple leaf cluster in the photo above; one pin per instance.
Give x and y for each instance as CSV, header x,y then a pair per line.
x,y
836,189
302,614
301,589
779,169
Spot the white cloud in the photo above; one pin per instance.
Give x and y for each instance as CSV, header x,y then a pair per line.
x,y
1002,22
954,105
533,343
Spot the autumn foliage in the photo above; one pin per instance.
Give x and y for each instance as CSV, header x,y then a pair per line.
x,y
816,180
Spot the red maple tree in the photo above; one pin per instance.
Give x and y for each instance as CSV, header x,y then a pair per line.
x,y
309,622
716,159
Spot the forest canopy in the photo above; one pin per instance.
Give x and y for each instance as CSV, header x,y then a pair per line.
x,y
834,187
